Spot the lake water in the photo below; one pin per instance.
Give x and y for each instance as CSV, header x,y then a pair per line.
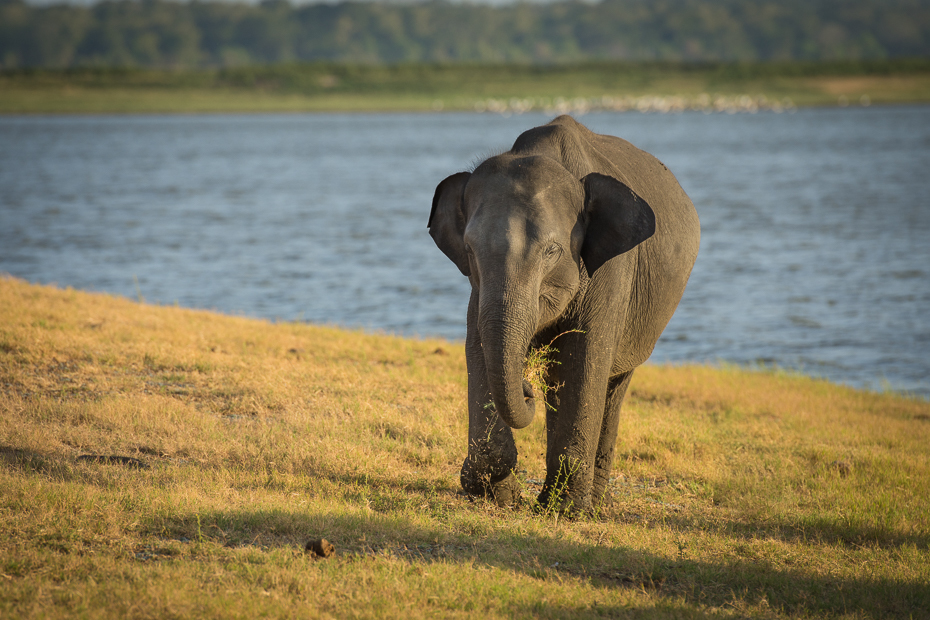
x,y
815,248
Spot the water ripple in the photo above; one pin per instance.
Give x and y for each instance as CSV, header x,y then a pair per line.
x,y
815,225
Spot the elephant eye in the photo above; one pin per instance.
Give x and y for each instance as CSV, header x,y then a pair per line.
x,y
553,250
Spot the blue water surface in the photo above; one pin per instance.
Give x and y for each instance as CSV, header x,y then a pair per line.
x,y
815,247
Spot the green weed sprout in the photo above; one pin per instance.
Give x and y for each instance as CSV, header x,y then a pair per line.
x,y
567,468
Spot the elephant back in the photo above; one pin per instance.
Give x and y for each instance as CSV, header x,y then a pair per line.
x,y
657,269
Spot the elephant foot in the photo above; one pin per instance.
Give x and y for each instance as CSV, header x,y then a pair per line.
x,y
505,492
549,503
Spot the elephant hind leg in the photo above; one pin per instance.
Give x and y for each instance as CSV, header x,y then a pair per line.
x,y
607,444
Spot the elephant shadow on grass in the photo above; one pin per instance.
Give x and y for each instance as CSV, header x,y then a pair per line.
x,y
812,530
474,533
673,580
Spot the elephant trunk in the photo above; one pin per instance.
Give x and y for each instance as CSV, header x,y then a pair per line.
x,y
505,338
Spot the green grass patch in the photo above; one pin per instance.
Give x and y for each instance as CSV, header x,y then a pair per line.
x,y
735,493
431,87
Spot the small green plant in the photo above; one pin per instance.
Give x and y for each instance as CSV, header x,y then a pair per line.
x,y
138,289
568,467
520,483
200,537
536,367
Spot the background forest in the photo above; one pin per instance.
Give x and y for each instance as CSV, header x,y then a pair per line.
x,y
163,33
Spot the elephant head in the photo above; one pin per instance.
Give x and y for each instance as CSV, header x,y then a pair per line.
x,y
522,229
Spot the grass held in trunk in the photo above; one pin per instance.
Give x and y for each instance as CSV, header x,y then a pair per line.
x,y
161,462
537,363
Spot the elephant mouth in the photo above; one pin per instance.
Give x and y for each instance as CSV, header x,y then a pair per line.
x,y
529,396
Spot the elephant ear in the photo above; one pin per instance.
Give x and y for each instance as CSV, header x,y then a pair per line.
x,y
617,220
447,219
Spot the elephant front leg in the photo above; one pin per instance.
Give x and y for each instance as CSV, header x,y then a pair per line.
x,y
488,469
574,429
492,454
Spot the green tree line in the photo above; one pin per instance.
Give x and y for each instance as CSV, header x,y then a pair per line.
x,y
166,33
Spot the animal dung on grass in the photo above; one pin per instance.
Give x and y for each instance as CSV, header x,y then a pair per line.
x,y
843,468
320,548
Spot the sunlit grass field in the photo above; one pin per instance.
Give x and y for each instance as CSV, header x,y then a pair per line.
x,y
736,493
339,87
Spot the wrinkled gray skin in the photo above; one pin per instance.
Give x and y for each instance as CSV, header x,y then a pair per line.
x,y
569,230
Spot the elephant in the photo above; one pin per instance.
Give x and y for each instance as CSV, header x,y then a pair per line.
x,y
570,235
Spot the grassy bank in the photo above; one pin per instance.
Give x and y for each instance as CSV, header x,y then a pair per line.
x,y
735,494
501,88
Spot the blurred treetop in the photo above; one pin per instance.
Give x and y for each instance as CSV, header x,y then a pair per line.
x,y
164,33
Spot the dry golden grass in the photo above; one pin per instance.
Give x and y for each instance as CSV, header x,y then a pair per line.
x,y
736,493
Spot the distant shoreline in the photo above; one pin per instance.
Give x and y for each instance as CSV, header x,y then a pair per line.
x,y
327,87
